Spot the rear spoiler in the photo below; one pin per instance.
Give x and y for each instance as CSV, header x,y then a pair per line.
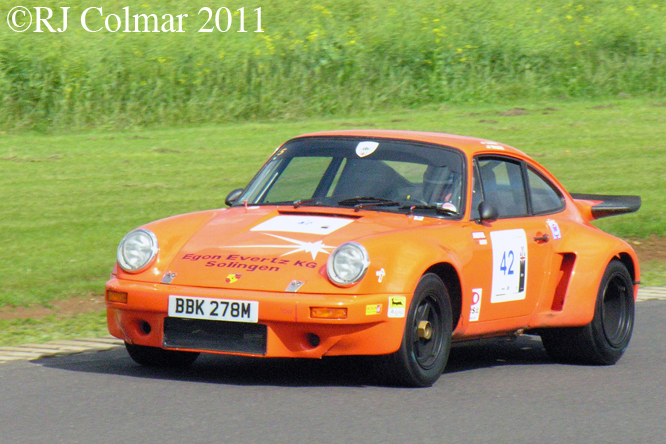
x,y
596,206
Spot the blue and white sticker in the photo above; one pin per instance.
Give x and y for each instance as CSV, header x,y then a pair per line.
x,y
509,265
366,148
554,229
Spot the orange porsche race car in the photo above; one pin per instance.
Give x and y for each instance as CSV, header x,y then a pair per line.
x,y
385,243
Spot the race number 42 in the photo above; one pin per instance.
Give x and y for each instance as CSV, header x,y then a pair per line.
x,y
509,265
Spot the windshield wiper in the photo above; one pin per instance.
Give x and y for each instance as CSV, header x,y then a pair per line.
x,y
441,208
365,202
301,202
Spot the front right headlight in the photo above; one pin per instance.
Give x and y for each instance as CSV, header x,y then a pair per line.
x,y
137,249
347,264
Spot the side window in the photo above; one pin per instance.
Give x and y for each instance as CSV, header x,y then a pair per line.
x,y
503,186
545,197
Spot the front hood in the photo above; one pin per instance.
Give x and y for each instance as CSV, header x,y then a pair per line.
x,y
265,249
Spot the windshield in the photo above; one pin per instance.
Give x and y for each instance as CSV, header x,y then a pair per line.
x,y
385,175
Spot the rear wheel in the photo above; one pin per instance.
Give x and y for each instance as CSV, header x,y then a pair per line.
x,y
158,357
426,340
604,340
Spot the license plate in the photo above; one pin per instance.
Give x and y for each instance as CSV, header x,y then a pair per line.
x,y
213,309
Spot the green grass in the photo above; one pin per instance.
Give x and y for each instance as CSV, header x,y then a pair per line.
x,y
325,57
23,331
67,200
653,274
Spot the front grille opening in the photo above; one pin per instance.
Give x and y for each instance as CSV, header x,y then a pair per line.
x,y
197,334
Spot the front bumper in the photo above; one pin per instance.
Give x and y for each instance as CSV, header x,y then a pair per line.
x,y
289,327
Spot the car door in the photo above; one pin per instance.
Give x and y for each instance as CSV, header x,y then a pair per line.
x,y
511,256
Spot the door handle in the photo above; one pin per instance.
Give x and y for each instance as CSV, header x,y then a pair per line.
x,y
544,238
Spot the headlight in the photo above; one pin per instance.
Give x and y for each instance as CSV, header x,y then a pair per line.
x,y
347,264
137,249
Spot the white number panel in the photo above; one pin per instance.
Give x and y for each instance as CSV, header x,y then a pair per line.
x,y
509,265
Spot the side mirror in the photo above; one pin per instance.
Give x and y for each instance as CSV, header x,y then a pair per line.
x,y
487,211
233,196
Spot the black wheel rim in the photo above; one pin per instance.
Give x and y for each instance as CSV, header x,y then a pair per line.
x,y
616,311
427,351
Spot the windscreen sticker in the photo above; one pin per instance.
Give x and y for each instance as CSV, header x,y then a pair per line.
x,y
366,148
554,229
475,308
509,265
303,224
396,307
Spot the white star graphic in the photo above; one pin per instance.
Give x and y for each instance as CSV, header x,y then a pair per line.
x,y
309,247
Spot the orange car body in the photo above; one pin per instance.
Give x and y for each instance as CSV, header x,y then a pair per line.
x,y
276,256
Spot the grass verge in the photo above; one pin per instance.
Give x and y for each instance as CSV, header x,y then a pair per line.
x,y
24,331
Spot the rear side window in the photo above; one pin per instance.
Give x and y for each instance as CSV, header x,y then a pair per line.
x,y
544,196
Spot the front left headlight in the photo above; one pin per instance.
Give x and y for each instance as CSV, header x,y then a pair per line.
x,y
347,264
137,249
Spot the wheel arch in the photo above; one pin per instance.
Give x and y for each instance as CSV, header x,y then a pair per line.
x,y
449,275
628,262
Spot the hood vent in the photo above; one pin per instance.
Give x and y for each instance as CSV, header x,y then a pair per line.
x,y
313,213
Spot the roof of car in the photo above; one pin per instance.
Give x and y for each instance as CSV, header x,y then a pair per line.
x,y
470,145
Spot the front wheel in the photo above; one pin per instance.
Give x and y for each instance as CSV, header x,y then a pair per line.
x,y
426,340
604,340
159,357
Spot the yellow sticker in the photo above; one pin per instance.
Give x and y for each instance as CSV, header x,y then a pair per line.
x,y
373,309
397,305
233,277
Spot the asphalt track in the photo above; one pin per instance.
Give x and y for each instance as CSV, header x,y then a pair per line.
x,y
491,392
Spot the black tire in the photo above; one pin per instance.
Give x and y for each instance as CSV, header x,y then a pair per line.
x,y
420,361
159,357
604,340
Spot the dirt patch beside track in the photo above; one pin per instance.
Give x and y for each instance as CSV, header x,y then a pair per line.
x,y
652,249
62,307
